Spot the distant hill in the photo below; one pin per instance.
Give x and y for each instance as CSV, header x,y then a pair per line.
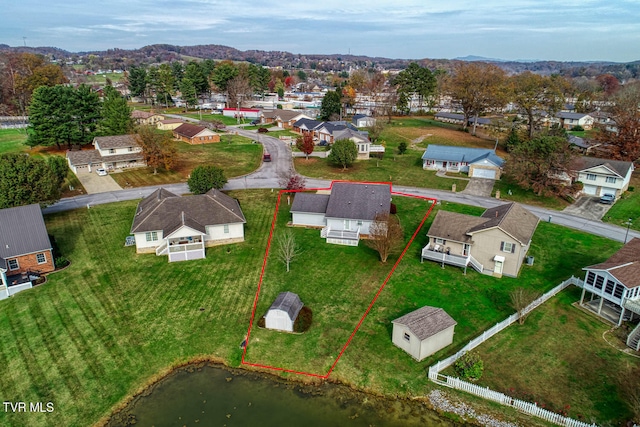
x,y
157,53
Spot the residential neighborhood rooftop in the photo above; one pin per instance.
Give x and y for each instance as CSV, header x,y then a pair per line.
x,y
289,303
617,166
310,202
22,231
426,321
513,219
358,201
115,141
460,154
624,265
189,130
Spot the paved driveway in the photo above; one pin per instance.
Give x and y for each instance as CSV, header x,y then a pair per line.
x,y
588,207
97,184
479,187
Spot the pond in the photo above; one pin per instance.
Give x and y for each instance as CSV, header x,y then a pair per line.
x,y
215,396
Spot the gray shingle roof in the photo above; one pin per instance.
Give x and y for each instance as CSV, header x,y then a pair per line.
x,y
570,115
84,157
22,231
460,154
289,303
350,133
116,141
453,226
358,201
512,219
618,166
426,321
310,202
163,210
307,123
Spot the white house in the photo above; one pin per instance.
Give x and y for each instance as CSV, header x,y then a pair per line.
x,y
569,120
345,214
613,288
362,142
363,121
283,312
242,113
181,227
478,162
603,176
423,332
111,152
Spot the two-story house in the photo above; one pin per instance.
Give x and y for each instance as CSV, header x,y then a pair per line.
x,y
495,243
603,176
146,117
569,120
25,248
612,288
345,214
111,152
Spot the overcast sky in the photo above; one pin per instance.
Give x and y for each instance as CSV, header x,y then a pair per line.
x,y
567,30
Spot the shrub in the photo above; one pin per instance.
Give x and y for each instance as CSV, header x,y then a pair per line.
x,y
304,320
402,147
470,366
204,178
262,322
577,128
61,262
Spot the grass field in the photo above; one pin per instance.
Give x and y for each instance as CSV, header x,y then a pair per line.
x,y
13,141
102,328
574,370
236,159
628,206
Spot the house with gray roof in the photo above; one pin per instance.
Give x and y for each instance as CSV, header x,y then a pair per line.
x,y
345,214
478,162
283,312
423,332
181,227
111,152
612,288
603,176
569,120
363,121
25,248
495,243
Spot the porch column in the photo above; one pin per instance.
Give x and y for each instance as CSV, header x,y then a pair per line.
x,y
600,305
582,296
621,316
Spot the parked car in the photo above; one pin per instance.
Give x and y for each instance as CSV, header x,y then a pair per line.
x,y
255,122
608,199
101,172
266,157
323,143
263,130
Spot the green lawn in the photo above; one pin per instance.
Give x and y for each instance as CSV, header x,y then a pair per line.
x,y
574,368
628,206
211,117
13,141
238,158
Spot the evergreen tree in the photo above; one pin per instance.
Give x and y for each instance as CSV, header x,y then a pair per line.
x,y
188,91
204,178
116,114
25,180
331,106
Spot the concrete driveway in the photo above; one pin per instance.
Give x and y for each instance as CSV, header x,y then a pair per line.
x,y
93,183
588,207
479,187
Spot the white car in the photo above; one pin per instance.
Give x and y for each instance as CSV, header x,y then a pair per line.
x,y
101,172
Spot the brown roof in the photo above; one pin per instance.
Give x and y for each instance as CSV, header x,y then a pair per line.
x,y
163,210
116,141
454,226
624,265
189,130
139,114
617,166
511,218
84,157
427,321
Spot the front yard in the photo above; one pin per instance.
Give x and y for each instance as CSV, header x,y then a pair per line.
x,y
628,206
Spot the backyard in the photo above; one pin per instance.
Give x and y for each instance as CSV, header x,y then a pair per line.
x,y
628,206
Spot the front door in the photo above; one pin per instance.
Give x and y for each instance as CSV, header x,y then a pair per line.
x,y
347,224
497,268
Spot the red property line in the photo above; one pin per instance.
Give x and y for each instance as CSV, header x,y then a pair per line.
x,y
373,301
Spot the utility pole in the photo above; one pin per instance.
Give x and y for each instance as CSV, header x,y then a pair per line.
x,y
627,234
24,41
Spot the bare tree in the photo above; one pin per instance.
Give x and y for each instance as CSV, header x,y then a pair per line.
x,y
287,248
520,300
385,235
239,90
292,181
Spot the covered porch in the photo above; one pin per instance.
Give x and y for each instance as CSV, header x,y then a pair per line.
x,y
11,285
341,237
183,248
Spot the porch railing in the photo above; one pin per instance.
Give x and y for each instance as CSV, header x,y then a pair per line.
x,y
633,340
633,305
162,249
451,259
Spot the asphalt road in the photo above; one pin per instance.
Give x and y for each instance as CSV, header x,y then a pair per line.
x,y
269,175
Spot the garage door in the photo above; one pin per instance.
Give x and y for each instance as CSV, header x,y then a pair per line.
x,y
484,173
607,190
82,169
590,190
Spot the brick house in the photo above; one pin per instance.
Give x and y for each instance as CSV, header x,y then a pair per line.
x,y
194,134
25,248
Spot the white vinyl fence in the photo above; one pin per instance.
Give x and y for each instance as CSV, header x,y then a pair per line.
x,y
527,407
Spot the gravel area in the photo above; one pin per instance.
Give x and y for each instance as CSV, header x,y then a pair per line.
x,y
442,402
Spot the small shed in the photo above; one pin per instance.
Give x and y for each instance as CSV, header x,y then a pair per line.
x,y
423,332
283,312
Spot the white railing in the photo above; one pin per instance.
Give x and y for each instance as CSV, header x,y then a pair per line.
x,y
161,250
376,148
475,264
457,260
12,290
324,232
633,340
186,247
530,408
632,305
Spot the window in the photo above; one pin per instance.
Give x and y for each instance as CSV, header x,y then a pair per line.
x,y
226,228
13,264
608,289
151,236
359,222
591,277
611,179
591,176
41,258
508,247
599,282
407,337
617,292
440,241
112,151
